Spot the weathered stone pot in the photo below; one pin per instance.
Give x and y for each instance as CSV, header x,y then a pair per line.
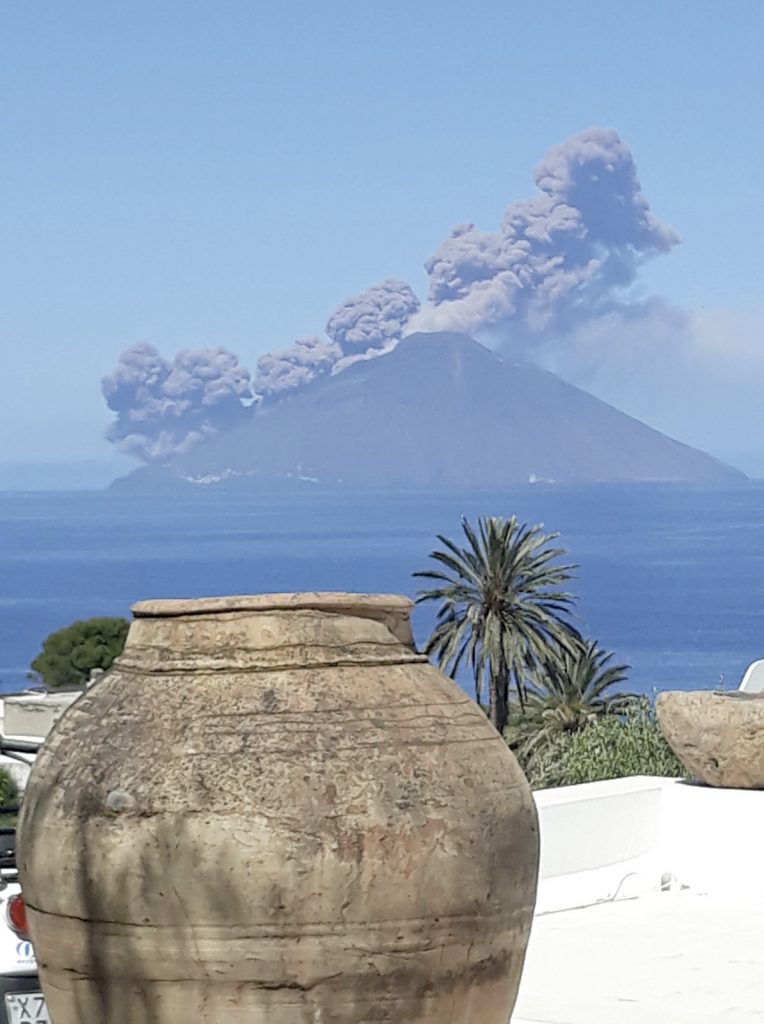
x,y
274,811
718,737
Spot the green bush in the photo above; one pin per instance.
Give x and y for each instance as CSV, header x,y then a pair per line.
x,y
609,747
9,792
9,797
69,655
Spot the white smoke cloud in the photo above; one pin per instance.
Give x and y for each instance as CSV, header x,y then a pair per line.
x,y
364,357
164,408
696,376
560,259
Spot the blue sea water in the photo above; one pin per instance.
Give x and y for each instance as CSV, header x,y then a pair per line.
x,y
670,578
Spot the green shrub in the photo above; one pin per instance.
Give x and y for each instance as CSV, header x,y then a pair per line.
x,y
609,747
9,797
69,655
9,792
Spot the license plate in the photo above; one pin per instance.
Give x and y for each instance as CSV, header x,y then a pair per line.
x,y
26,1008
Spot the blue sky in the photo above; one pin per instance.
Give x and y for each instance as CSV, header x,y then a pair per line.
x,y
199,174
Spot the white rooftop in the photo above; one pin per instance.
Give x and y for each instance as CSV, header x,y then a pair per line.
x,y
660,920
674,958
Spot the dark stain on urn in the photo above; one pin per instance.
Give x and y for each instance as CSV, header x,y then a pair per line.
x,y
270,701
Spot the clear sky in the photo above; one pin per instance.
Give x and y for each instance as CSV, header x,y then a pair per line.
x,y
194,173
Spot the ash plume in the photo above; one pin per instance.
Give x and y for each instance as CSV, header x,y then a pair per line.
x,y
364,326
308,358
164,408
558,260
554,283
374,318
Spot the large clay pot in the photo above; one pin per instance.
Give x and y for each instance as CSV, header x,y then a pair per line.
x,y
718,736
273,811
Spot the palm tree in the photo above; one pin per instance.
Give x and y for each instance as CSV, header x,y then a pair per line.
x,y
503,610
574,689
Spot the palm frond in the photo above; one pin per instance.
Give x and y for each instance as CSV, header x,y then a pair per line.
x,y
503,606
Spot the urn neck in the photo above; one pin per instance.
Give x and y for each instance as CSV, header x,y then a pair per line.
x,y
269,632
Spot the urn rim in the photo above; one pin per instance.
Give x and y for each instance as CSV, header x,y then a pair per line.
x,y
338,602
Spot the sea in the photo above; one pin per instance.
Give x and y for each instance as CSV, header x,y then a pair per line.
x,y
670,578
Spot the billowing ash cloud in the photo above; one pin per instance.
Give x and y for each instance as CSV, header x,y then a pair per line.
x,y
365,325
308,358
164,408
553,281
374,318
559,259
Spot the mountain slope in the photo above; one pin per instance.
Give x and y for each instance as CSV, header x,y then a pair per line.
x,y
442,410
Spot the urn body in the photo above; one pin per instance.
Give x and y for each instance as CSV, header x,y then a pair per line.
x,y
272,810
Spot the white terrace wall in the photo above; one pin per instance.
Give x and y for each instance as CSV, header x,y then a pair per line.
x,y
624,837
599,841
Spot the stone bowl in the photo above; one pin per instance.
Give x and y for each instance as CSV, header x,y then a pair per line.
x,y
718,737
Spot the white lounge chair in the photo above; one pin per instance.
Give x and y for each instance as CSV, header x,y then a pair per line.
x,y
753,678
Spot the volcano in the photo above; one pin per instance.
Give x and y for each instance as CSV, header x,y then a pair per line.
x,y
440,410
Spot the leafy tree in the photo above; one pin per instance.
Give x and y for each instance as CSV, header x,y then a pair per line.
x,y
9,797
503,608
9,791
609,747
574,690
69,655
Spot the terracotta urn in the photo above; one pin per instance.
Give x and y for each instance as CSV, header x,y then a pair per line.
x,y
273,810
717,735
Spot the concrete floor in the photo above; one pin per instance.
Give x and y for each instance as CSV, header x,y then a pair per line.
x,y
665,958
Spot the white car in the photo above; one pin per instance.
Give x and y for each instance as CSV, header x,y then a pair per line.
x,y
21,1000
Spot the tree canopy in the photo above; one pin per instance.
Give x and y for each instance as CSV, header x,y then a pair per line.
x,y
609,746
9,791
503,607
69,655
576,687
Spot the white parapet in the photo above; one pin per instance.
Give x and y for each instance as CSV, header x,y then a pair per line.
x,y
618,839
599,841
689,949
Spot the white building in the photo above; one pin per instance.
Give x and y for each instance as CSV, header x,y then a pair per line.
x,y
30,716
